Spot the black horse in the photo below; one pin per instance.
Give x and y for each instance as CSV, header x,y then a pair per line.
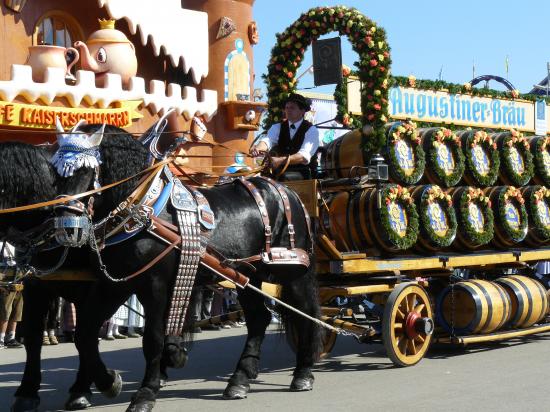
x,y
238,234
27,177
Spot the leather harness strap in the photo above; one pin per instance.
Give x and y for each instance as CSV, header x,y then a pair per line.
x,y
263,211
286,207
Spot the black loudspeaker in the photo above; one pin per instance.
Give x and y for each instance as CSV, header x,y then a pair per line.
x,y
327,61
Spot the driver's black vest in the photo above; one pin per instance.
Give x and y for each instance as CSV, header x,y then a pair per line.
x,y
286,145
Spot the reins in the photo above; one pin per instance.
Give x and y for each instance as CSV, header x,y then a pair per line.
x,y
66,199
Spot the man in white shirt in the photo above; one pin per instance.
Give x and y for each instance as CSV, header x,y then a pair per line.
x,y
293,142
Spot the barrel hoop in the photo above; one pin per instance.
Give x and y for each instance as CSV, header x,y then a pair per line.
x,y
359,215
544,300
349,223
519,297
479,313
489,318
529,296
506,306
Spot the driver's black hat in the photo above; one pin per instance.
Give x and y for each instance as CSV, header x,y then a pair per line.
x,y
303,102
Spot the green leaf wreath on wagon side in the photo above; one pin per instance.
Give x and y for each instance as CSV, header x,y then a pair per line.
x,y
400,137
432,195
474,233
392,195
444,137
514,171
476,144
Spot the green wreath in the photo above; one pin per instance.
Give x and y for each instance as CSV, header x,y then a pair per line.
x,y
510,176
405,131
536,194
473,194
367,40
516,235
539,145
481,137
395,193
429,196
444,136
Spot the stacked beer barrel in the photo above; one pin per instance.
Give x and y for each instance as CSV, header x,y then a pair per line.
x,y
479,306
449,190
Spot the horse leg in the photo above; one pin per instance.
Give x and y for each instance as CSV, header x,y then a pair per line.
x,y
92,315
80,393
154,305
34,313
302,294
257,319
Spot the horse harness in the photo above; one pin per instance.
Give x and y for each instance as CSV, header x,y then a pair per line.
x,y
195,223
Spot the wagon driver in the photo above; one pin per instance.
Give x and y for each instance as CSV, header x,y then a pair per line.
x,y
293,142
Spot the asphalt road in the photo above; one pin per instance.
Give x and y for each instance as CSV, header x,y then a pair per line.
x,y
509,376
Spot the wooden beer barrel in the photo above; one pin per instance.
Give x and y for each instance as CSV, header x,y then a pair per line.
x,y
516,160
473,307
404,153
540,149
537,203
474,217
510,214
342,154
437,218
528,298
385,218
444,156
481,158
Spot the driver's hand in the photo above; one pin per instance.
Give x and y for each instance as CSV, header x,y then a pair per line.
x,y
255,152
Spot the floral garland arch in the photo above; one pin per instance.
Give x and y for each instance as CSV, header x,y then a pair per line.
x,y
368,41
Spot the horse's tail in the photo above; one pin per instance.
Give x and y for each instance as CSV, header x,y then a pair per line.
x,y
302,293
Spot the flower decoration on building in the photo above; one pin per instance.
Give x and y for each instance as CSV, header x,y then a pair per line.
x,y
412,81
346,70
368,41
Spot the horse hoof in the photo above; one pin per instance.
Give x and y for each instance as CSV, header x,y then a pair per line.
x,y
301,384
162,383
236,391
78,401
25,404
144,406
116,387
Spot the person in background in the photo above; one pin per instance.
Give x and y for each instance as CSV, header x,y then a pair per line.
x,y
11,308
51,322
293,143
135,321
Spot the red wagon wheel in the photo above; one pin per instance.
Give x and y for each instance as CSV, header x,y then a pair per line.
x,y
407,324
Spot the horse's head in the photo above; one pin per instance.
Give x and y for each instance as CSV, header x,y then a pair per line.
x,y
77,163
86,161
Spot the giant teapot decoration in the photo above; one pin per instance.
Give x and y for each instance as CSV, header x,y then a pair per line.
x,y
108,51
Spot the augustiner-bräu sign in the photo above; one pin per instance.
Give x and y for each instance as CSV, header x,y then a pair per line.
x,y
459,109
43,117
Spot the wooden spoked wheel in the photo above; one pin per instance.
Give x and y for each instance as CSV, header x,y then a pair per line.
x,y
328,340
407,324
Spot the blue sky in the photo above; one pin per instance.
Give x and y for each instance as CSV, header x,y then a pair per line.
x,y
428,36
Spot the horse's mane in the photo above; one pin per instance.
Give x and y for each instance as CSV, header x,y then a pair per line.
x,y
26,175
121,156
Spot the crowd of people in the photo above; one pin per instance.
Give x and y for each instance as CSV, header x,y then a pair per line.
x,y
127,322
